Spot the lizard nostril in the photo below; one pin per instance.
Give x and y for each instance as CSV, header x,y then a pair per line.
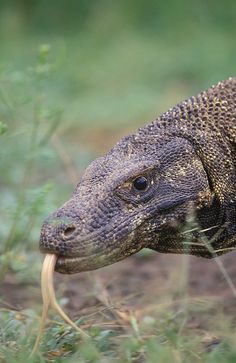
x,y
68,231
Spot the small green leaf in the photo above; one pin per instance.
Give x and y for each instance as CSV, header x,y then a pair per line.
x,y
44,51
3,127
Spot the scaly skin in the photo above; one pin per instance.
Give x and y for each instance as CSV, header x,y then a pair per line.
x,y
187,157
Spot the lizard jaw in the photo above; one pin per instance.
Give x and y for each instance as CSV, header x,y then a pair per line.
x,y
71,265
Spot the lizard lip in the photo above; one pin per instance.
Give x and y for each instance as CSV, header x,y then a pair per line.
x,y
70,265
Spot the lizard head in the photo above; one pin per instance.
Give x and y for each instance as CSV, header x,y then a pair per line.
x,y
136,196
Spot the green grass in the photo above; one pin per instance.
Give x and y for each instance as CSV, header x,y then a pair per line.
x,y
166,335
65,97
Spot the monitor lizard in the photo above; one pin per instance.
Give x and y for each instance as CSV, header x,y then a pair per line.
x,y
142,192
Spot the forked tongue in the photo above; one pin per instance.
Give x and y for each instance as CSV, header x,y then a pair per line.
x,y
49,298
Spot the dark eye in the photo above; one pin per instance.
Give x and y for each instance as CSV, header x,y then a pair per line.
x,y
140,183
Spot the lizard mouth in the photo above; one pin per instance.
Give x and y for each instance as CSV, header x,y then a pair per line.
x,y
71,265
91,260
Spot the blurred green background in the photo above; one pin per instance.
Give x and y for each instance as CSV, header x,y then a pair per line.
x,y
75,76
121,62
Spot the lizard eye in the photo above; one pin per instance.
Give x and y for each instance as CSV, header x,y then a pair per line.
x,y
140,183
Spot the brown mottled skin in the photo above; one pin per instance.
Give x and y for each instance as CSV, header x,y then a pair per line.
x,y
187,160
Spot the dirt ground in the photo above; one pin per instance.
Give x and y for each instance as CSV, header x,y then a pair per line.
x,y
140,284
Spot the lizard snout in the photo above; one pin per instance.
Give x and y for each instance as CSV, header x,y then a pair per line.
x,y
58,236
